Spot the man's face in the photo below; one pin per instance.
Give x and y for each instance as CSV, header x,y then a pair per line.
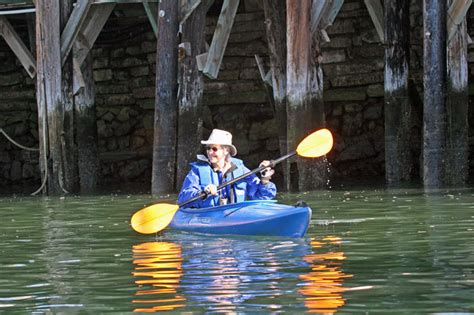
x,y
216,153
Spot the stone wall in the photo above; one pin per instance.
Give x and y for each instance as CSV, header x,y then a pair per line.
x,y
353,65
18,119
124,72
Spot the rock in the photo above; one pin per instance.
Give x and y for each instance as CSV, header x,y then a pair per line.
x,y
103,75
134,169
16,171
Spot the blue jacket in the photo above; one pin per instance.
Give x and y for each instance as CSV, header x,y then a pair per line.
x,y
202,174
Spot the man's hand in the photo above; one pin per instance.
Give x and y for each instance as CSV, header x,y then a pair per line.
x,y
266,174
211,190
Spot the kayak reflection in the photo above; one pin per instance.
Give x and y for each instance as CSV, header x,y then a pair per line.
x,y
200,274
158,269
323,286
242,275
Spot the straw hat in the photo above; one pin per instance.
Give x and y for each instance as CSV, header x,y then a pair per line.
x,y
221,137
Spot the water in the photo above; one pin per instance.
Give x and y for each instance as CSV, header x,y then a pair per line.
x,y
366,251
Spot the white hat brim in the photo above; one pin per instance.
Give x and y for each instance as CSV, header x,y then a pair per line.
x,y
233,149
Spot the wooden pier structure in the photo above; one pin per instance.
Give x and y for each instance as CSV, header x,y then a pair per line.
x,y
65,31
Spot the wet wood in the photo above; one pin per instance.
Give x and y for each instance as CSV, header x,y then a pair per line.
x,y
86,129
187,8
73,26
266,80
164,147
333,12
399,163
434,105
220,38
151,13
191,88
299,113
123,1
48,93
275,25
201,61
456,15
318,9
457,107
19,48
323,14
313,173
92,26
376,14
70,182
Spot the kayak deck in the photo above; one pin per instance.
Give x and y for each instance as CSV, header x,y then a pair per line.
x,y
255,217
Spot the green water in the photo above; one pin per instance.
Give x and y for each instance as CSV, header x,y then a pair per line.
x,y
366,251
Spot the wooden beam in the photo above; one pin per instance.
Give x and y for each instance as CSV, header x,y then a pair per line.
x,y
79,82
166,112
86,127
323,14
73,27
16,44
457,106
266,77
398,106
187,9
209,4
376,13
17,11
298,89
434,96
123,1
48,95
336,7
95,21
318,9
190,92
152,14
275,27
201,61
456,15
220,38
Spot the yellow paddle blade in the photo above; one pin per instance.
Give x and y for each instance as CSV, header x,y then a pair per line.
x,y
316,144
154,218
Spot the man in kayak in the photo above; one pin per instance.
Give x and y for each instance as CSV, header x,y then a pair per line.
x,y
219,166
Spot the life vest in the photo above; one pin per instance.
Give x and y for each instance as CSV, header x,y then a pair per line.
x,y
208,176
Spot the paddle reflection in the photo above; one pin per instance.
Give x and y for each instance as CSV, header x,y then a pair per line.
x,y
323,285
158,271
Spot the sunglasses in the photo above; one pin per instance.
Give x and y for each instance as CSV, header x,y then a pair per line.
x,y
212,148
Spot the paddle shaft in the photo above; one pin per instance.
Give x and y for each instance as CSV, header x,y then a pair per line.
x,y
203,194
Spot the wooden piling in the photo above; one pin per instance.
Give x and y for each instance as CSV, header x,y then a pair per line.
x,y
457,108
399,162
164,146
314,172
68,145
299,113
275,24
86,129
434,107
49,94
191,88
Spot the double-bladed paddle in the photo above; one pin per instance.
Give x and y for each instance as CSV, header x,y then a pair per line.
x,y
155,218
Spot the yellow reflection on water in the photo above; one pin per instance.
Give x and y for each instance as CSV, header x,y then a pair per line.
x,y
158,270
323,286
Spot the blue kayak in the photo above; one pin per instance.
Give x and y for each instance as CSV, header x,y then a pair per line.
x,y
255,217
